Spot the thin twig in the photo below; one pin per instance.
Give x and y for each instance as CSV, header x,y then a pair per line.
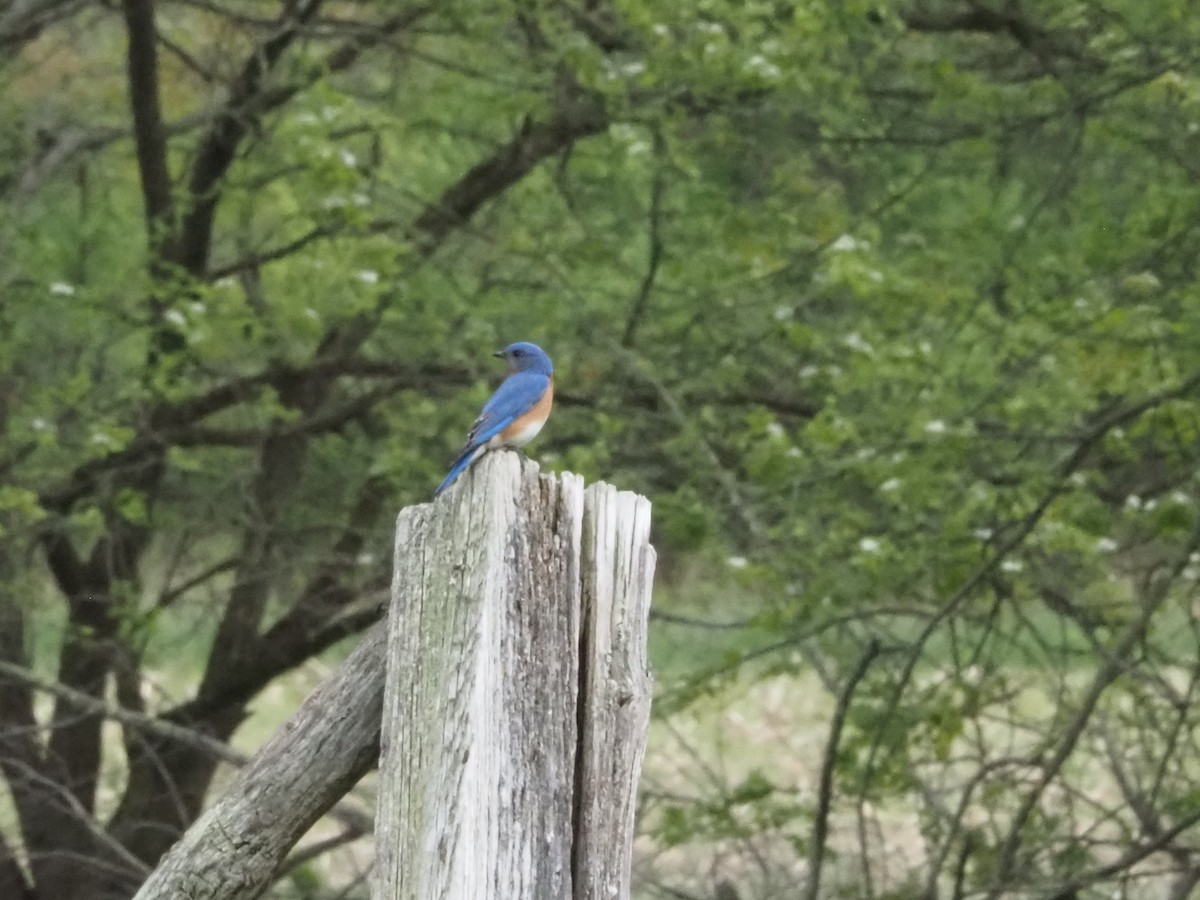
x,y
77,809
1114,665
654,253
175,733
816,852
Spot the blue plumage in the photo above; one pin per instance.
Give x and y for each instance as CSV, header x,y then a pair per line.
x,y
515,413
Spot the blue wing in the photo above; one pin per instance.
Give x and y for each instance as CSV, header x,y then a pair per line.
x,y
516,396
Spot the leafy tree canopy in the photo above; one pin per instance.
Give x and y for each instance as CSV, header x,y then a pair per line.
x,y
890,307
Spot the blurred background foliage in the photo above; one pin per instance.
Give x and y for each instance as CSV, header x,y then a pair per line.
x,y
890,307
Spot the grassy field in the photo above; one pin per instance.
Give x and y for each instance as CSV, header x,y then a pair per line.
x,y
731,774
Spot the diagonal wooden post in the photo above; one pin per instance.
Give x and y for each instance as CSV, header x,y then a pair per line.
x,y
517,696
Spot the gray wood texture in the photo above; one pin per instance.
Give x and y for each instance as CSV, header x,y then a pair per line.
x,y
514,716
517,696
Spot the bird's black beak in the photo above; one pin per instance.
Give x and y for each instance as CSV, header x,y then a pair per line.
x,y
499,353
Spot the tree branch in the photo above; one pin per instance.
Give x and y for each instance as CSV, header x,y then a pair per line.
x,y
127,863
655,240
229,126
22,21
171,593
325,747
149,135
248,101
1108,672
19,747
291,648
173,733
1044,45
577,115
254,260
13,882
816,849
1099,425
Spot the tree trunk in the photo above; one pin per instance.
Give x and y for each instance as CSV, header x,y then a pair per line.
x,y
517,695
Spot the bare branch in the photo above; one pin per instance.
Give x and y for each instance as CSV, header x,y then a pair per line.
x,y
319,848
13,882
578,115
1107,673
816,852
249,99
149,133
85,817
229,126
283,251
176,734
655,240
1128,859
330,742
22,21
170,594
289,647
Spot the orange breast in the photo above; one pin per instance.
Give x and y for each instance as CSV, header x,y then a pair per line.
x,y
526,427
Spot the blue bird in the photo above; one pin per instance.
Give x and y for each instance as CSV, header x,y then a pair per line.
x,y
516,412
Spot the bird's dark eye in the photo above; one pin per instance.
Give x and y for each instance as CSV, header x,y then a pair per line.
x,y
518,353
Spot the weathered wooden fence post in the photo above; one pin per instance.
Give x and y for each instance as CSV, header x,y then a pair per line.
x,y
517,695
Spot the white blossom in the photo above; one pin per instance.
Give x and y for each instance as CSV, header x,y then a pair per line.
x,y
760,65
856,341
845,243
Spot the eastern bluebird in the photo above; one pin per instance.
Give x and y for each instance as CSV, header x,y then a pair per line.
x,y
516,412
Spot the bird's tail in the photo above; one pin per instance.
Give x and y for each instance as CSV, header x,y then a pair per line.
x,y
464,459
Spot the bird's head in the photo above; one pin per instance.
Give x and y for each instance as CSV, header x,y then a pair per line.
x,y
526,357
